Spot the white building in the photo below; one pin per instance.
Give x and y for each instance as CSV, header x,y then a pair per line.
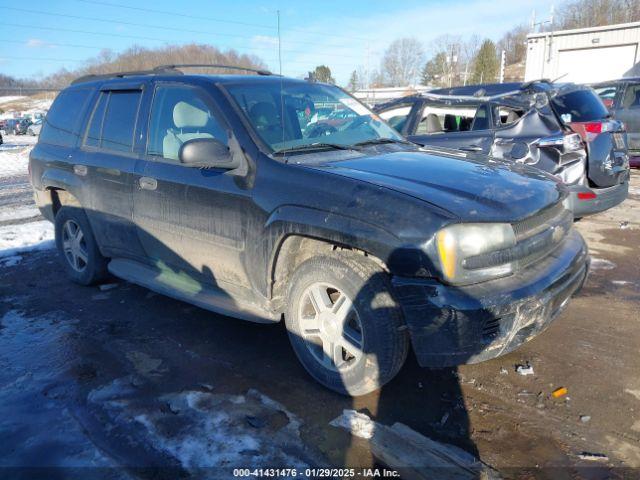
x,y
584,55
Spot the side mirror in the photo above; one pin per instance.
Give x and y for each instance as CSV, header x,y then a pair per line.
x,y
207,153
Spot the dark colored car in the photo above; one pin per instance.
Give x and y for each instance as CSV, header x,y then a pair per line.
x,y
12,126
206,189
22,127
622,98
563,129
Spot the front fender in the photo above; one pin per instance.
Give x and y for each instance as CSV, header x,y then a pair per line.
x,y
339,229
330,226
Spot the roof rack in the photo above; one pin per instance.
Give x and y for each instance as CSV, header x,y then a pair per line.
x,y
164,69
213,65
132,73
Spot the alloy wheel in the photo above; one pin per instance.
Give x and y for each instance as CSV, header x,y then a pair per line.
x,y
330,326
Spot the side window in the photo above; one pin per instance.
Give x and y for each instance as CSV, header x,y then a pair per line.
x,y
178,114
113,121
119,122
397,115
445,119
62,124
631,97
607,94
507,116
481,119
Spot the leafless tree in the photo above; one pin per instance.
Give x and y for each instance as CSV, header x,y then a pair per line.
x,y
595,13
402,62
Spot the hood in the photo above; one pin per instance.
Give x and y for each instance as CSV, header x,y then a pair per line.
x,y
479,189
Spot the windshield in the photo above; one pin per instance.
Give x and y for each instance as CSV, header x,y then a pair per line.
x,y
302,115
579,106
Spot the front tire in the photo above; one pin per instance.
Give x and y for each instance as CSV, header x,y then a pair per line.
x,y
79,253
344,324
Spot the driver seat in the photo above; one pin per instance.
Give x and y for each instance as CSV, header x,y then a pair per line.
x,y
188,121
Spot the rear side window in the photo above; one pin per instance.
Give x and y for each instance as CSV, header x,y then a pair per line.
x,y
113,121
458,118
62,124
579,106
631,97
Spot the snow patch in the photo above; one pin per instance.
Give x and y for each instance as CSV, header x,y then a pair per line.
x,y
203,429
14,160
359,424
26,237
601,264
20,213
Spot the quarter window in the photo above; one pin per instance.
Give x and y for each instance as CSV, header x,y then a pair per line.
x,y
62,123
397,115
180,114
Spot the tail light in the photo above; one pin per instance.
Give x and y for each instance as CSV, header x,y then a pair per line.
x,y
590,130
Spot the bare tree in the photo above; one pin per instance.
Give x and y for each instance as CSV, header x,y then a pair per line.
x,y
402,62
595,13
141,58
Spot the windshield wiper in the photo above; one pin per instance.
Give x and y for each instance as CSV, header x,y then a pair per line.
x,y
313,146
381,141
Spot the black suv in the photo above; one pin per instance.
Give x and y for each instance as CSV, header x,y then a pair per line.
x,y
563,129
224,191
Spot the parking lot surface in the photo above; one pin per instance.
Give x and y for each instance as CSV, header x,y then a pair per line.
x,y
119,376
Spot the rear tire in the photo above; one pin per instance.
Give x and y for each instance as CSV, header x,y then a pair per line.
x,y
344,324
77,247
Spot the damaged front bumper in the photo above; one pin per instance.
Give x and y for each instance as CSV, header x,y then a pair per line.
x,y
457,325
585,201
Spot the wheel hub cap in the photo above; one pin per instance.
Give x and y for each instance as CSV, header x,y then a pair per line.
x,y
74,246
331,326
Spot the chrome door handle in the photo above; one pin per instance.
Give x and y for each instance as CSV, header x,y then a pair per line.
x,y
147,183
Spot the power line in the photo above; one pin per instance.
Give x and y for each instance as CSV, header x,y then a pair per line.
x,y
150,38
52,44
144,25
176,14
198,17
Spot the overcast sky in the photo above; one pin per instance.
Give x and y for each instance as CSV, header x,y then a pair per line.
x,y
339,34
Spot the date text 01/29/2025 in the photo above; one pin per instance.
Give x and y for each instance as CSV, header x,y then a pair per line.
x,y
316,472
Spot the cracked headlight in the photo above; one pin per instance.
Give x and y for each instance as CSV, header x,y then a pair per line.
x,y
462,251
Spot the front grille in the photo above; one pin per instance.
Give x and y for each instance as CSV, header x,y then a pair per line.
x,y
530,226
536,237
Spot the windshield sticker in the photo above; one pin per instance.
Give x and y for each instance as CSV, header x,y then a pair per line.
x,y
355,106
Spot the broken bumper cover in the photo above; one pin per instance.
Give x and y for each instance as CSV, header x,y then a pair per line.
x,y
585,201
457,325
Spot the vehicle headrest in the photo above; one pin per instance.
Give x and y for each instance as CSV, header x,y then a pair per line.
x,y
433,123
264,114
512,117
186,115
450,123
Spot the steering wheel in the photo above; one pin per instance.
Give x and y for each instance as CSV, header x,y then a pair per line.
x,y
320,130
